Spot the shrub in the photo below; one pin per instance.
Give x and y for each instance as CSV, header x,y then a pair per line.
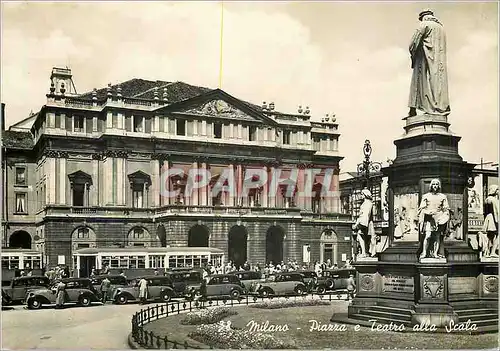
x,y
222,336
207,316
275,304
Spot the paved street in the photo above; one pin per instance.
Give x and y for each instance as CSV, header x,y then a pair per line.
x,y
96,327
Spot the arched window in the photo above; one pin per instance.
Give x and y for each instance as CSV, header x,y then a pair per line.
x,y
83,237
328,246
138,236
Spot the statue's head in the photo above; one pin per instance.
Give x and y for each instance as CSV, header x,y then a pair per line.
x,y
426,12
366,193
435,186
470,182
493,190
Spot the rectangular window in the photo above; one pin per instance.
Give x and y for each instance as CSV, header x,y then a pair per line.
x,y
181,127
115,120
20,176
83,233
252,133
58,120
138,124
218,130
286,137
21,203
138,196
79,124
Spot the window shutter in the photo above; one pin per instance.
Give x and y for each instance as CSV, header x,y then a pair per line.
x,y
128,123
147,124
69,123
172,126
90,125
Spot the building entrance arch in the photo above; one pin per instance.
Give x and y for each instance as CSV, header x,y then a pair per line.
x,y
198,236
274,244
20,239
237,245
161,233
329,246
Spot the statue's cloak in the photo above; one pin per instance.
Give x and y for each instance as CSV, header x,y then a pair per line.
x,y
429,84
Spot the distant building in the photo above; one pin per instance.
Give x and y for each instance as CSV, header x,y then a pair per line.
x,y
85,170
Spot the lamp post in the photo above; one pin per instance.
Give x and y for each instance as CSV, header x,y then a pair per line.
x,y
364,170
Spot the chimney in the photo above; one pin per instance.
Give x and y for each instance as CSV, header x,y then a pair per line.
x,y
3,117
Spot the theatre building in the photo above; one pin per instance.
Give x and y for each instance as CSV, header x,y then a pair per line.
x,y
85,174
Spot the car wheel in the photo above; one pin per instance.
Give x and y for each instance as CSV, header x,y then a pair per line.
x,y
84,301
265,292
321,289
122,299
299,290
166,296
330,284
34,304
235,294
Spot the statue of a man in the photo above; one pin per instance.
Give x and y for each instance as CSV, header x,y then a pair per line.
x,y
363,228
489,234
433,217
429,83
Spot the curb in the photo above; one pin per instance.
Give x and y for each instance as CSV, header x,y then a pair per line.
x,y
131,342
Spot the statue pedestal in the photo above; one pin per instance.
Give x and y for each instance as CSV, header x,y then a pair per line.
x,y
402,288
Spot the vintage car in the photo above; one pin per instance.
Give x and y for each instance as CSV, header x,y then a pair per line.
x,y
117,281
159,288
338,277
248,278
316,284
6,300
78,290
281,284
19,287
185,279
219,285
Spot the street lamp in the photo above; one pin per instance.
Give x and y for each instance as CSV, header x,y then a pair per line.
x,y
367,167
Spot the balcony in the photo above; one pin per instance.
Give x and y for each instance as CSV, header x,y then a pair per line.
x,y
63,211
96,211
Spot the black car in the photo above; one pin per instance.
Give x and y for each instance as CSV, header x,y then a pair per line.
x,y
19,287
185,279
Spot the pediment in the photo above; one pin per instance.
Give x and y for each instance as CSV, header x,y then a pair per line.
x,y
218,104
80,177
139,177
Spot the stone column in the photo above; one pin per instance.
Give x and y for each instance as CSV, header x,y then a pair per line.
x,y
95,180
239,186
308,183
230,200
62,180
51,175
265,189
272,192
155,182
301,187
194,200
203,192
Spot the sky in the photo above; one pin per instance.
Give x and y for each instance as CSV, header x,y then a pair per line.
x,y
346,58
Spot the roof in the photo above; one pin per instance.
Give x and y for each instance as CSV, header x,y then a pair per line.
x,y
144,89
17,140
150,250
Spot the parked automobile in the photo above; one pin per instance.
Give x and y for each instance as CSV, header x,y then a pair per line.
x,y
6,300
281,284
159,288
220,285
185,279
338,277
316,284
20,286
248,278
78,290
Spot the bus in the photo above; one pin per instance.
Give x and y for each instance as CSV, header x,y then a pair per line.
x,y
15,261
137,261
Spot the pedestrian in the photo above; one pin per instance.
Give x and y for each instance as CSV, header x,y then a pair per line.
x,y
143,291
203,290
105,287
351,287
60,294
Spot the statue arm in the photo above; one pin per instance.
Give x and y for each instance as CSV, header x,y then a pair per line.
x,y
417,39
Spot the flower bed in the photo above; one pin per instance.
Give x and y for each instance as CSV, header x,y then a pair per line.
x,y
275,304
222,336
207,316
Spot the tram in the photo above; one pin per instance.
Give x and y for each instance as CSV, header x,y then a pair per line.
x,y
136,261
15,261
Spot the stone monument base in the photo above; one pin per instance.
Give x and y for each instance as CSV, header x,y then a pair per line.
x,y
426,293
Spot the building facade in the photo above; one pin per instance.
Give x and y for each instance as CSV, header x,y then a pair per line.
x,y
87,170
